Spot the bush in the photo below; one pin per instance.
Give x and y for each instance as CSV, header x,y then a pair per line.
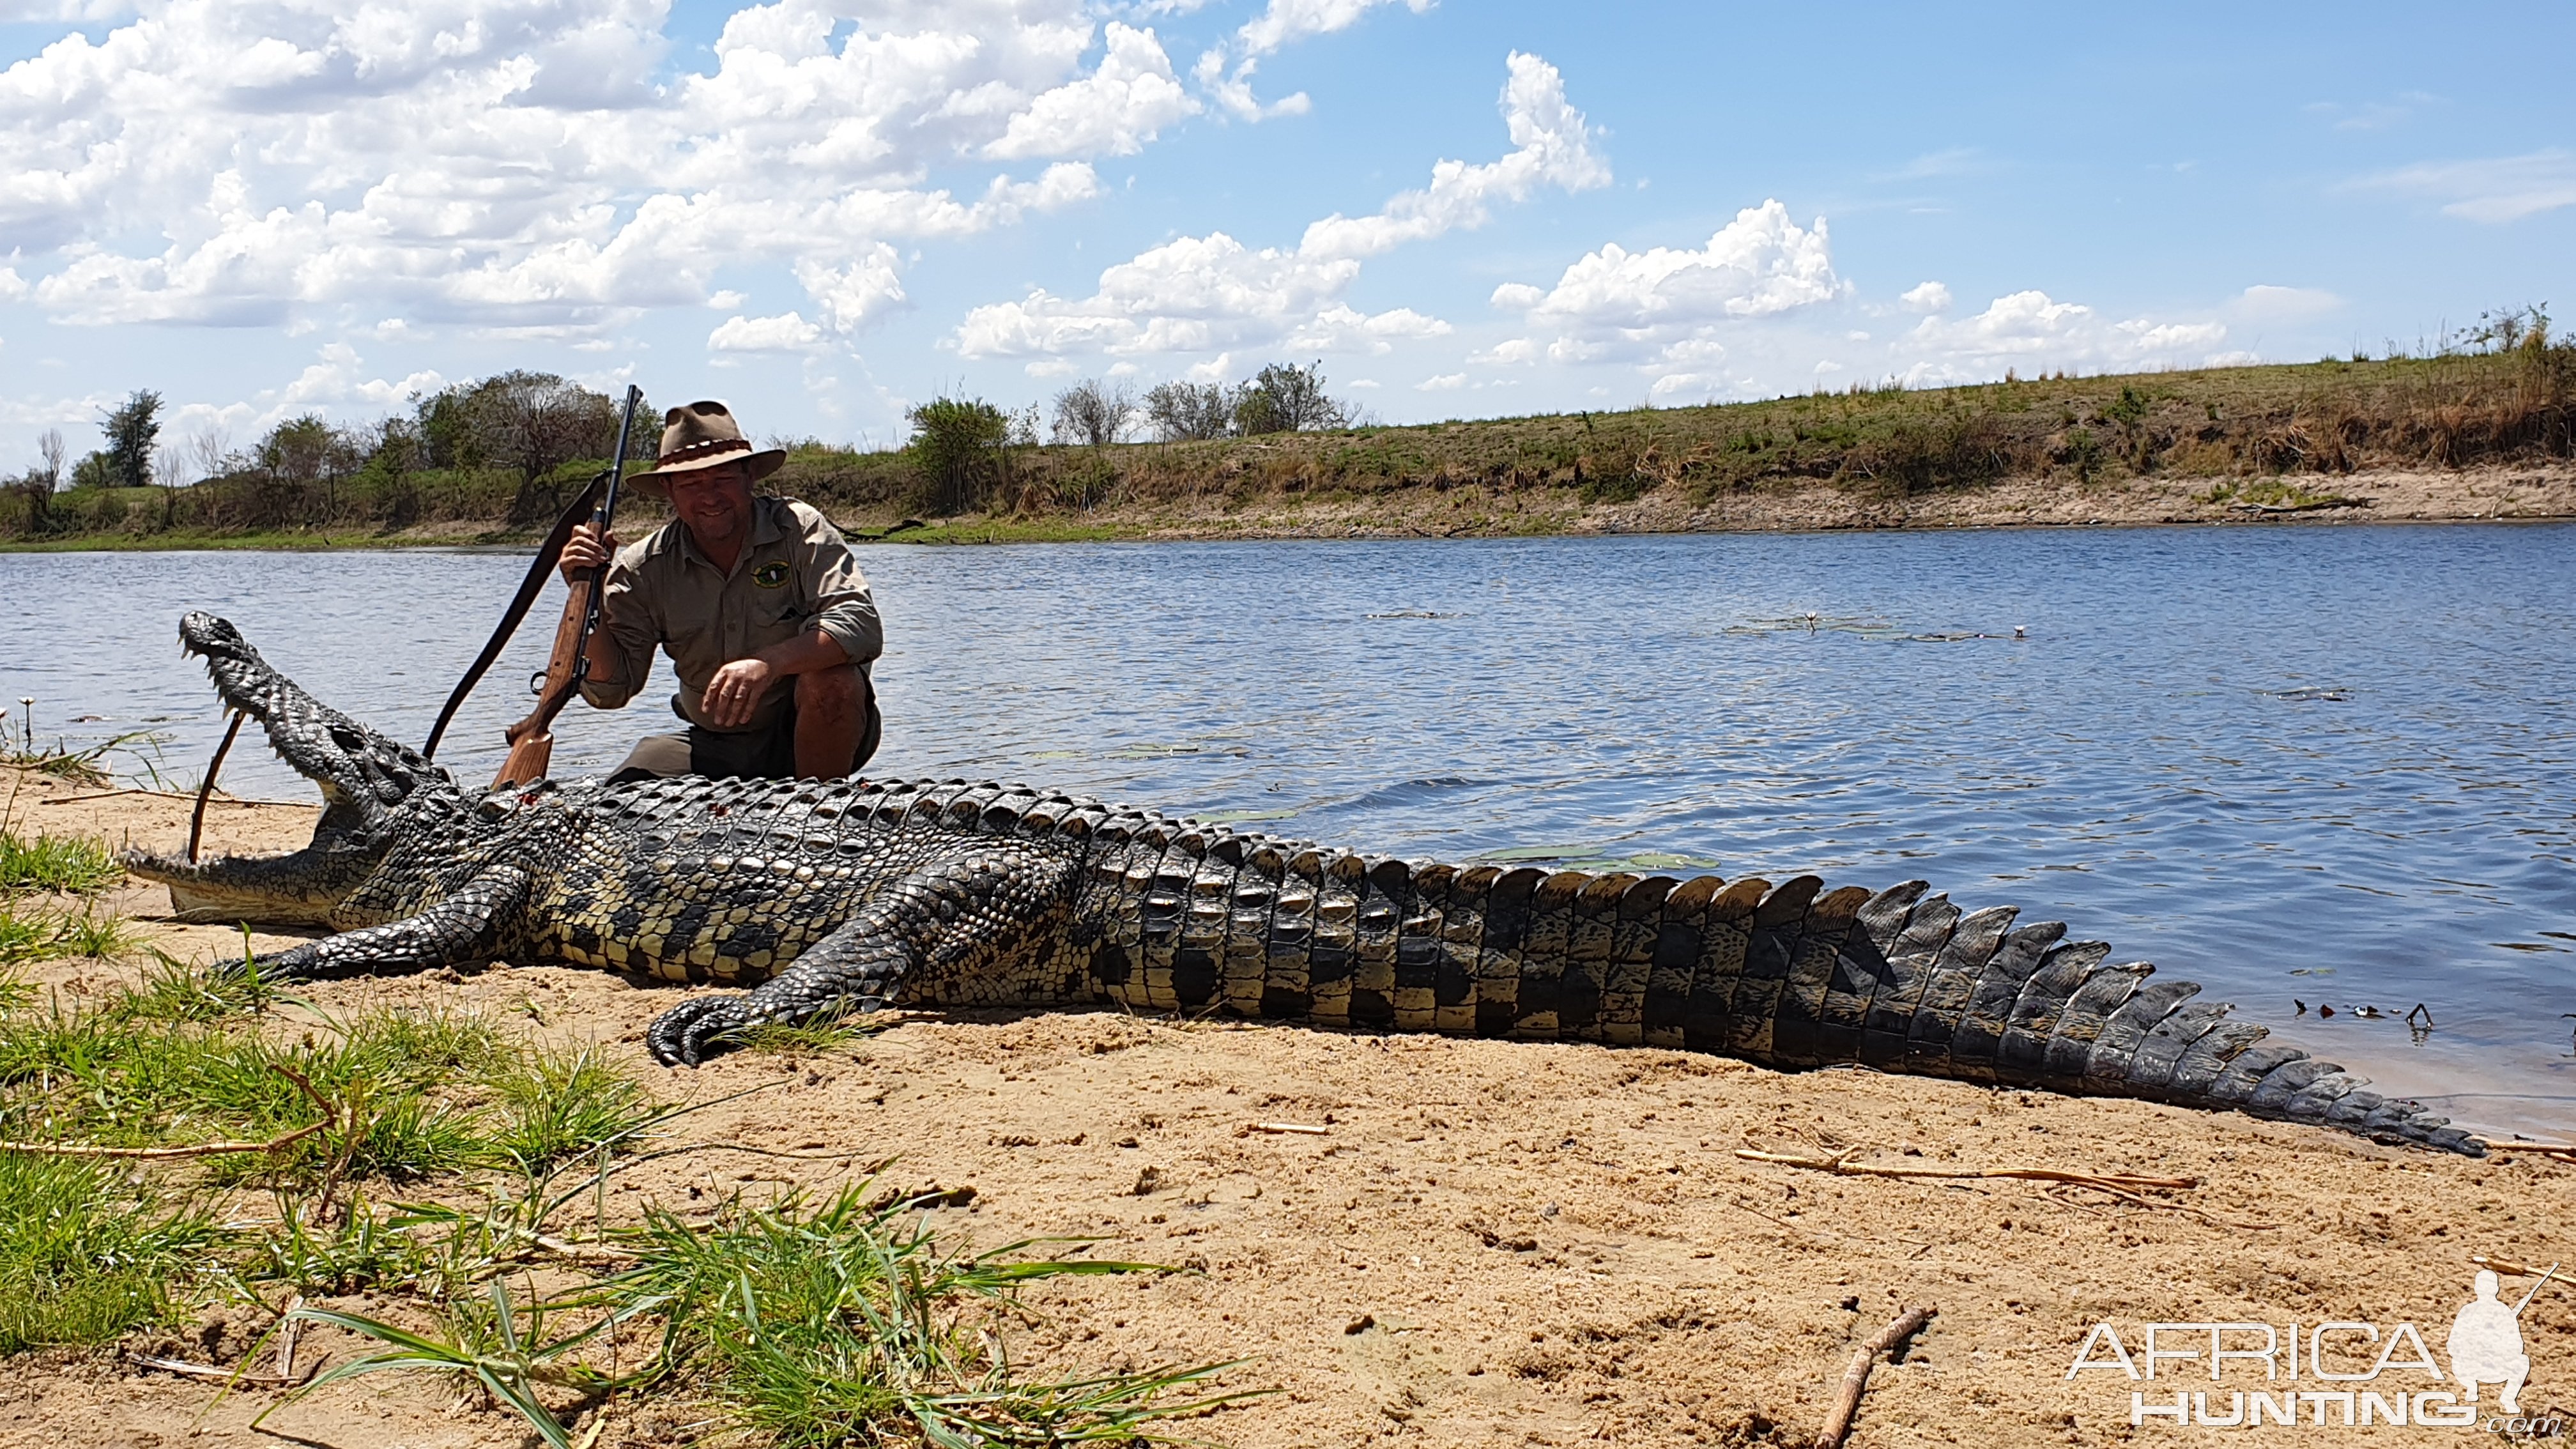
x,y
1285,399
960,452
1094,412
1186,411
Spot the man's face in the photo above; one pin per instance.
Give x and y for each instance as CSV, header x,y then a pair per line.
x,y
715,503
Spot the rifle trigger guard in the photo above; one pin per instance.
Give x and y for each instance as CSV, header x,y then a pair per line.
x,y
537,684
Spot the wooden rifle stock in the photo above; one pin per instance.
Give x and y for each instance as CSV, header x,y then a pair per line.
x,y
532,740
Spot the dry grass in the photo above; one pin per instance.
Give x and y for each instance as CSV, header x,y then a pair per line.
x,y
2250,423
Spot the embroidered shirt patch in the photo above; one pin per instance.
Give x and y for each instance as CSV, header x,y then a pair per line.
x,y
771,575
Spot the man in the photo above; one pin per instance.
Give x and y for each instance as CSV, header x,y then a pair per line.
x,y
760,605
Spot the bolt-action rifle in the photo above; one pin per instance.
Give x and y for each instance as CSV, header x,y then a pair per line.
x,y
532,740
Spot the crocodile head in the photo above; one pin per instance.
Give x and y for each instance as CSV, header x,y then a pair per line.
x,y
373,792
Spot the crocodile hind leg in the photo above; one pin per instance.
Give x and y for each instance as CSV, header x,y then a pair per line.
x,y
469,927
942,933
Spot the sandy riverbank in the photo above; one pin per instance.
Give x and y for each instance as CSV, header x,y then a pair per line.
x,y
1490,1242
1477,509
1474,510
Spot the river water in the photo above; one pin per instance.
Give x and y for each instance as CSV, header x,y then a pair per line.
x,y
2319,765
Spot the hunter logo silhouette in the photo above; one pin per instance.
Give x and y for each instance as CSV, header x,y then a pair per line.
x,y
2486,1342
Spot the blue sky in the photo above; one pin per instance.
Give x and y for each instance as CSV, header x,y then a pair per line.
x,y
823,212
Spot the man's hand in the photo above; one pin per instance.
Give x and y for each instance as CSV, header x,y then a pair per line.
x,y
587,549
736,691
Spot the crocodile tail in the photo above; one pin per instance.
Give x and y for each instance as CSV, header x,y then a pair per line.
x,y
1789,975
1795,976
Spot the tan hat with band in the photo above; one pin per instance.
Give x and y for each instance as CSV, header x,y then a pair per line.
x,y
704,435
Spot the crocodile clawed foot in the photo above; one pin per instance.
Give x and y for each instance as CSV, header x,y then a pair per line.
x,y
691,1032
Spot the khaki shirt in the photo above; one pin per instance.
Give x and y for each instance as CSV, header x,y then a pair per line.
x,y
795,575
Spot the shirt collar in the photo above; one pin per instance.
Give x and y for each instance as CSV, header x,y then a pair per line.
x,y
768,521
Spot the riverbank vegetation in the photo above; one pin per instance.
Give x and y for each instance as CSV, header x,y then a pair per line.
x,y
489,461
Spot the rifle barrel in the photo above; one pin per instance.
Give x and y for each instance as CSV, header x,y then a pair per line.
x,y
570,663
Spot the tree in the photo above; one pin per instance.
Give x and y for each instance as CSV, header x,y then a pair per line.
x,y
533,422
304,450
1180,411
211,450
1095,412
959,448
1285,399
132,430
536,422
446,432
170,466
297,454
42,482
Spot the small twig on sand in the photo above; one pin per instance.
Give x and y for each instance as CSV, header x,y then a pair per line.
x,y
2126,1186
1297,1128
209,1371
221,799
1841,1163
1856,1378
286,1346
2563,1151
160,1154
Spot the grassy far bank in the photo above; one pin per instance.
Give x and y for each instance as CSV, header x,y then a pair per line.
x,y
2250,441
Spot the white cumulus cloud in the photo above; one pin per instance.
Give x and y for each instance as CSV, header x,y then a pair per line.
x,y
1281,23
2266,303
1115,110
1551,146
1213,293
1670,304
785,332
1926,297
1286,21
2494,190
2032,330
518,164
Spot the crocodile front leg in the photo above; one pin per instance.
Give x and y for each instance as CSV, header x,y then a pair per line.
x,y
469,927
930,931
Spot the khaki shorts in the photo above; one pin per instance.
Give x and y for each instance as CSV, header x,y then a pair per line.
x,y
767,752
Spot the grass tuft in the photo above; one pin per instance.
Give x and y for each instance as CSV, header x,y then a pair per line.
x,y
172,990
65,865
840,1323
87,1250
28,934
558,1105
827,1031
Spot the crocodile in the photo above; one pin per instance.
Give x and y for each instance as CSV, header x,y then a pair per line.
x,y
834,896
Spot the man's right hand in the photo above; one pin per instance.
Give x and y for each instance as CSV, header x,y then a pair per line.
x,y
587,549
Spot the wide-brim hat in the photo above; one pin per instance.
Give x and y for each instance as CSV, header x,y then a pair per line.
x,y
699,436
